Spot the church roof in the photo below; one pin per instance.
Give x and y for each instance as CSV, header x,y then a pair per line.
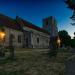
x,y
30,25
8,22
18,23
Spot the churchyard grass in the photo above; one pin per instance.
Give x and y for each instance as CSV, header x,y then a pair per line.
x,y
34,63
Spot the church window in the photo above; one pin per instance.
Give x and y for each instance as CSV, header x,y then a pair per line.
x,y
19,38
37,40
27,42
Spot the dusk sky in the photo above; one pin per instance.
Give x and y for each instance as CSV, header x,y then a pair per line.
x,y
35,10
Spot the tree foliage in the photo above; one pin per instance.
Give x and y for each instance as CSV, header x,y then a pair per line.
x,y
72,43
64,37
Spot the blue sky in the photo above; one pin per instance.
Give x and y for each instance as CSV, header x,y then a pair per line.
x,y
35,10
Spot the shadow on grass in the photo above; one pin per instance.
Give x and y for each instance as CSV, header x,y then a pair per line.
x,y
7,60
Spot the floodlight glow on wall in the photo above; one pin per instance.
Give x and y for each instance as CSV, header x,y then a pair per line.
x,y
2,36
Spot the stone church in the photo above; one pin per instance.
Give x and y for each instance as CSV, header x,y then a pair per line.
x,y
21,33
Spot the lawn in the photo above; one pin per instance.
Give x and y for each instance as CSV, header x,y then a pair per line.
x,y
34,63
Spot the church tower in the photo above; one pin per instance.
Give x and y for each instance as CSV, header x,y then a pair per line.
x,y
50,24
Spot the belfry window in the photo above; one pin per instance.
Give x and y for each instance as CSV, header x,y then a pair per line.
x,y
46,23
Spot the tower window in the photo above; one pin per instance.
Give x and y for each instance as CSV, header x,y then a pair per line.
x,y
46,22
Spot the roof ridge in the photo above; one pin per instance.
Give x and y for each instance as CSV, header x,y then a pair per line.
x,y
28,22
31,25
6,16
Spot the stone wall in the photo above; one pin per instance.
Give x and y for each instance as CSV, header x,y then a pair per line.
x,y
36,39
44,38
9,31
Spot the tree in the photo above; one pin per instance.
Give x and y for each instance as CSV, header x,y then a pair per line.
x,y
72,42
64,37
71,5
74,35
